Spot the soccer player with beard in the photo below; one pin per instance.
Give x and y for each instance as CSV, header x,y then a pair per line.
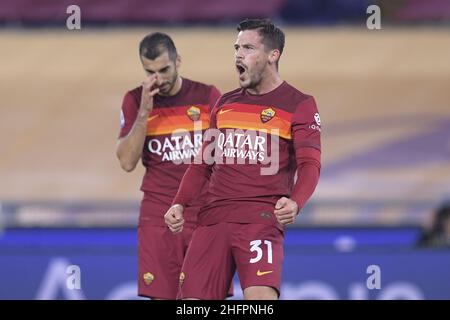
x,y
151,113
242,222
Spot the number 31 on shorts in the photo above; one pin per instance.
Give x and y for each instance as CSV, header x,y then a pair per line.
x,y
255,245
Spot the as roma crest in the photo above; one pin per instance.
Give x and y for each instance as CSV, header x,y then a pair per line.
x,y
267,115
148,278
193,113
182,276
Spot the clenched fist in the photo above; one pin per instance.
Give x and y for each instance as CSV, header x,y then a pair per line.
x,y
286,211
174,218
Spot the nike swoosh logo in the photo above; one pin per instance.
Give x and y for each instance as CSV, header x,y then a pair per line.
x,y
261,273
221,111
152,117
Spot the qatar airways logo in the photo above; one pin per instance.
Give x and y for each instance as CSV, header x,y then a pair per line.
x,y
237,146
178,148
242,146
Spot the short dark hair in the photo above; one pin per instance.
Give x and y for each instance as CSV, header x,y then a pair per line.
x,y
154,44
272,36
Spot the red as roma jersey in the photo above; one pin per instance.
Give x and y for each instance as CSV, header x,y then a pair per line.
x,y
174,136
258,143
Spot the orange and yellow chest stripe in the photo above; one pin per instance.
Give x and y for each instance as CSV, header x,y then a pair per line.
x,y
255,117
168,120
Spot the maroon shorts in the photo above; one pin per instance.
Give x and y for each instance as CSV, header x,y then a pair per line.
x,y
217,251
160,257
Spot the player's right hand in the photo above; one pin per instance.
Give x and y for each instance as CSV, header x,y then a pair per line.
x,y
286,210
148,92
174,218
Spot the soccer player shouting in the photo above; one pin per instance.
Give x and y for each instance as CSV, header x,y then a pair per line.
x,y
249,203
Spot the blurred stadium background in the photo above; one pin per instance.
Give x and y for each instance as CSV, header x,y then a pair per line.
x,y
384,99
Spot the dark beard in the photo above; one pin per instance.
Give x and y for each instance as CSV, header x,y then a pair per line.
x,y
172,83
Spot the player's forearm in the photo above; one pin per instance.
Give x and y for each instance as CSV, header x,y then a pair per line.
x,y
307,178
129,148
308,172
192,184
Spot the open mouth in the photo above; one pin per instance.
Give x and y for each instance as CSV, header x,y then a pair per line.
x,y
241,69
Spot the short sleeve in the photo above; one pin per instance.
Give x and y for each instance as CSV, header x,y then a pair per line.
x,y
128,114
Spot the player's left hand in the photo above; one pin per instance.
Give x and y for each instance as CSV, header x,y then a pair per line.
x,y
286,211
